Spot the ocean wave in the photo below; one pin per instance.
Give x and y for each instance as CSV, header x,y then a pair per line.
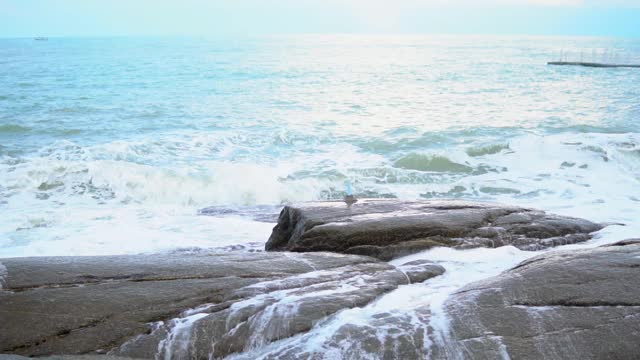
x,y
406,141
434,163
426,140
593,129
486,149
212,182
494,190
483,140
59,132
10,154
80,110
194,165
13,129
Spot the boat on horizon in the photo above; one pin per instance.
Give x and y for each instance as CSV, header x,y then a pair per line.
x,y
41,38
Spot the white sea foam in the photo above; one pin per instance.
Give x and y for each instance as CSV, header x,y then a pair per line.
x,y
81,205
178,343
3,276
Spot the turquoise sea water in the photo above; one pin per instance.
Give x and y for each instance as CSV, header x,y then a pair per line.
x,y
112,145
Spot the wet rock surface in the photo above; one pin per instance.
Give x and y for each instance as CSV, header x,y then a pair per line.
x,y
387,336
388,229
189,306
421,270
579,304
582,304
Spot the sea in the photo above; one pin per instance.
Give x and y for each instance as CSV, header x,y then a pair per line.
x,y
114,145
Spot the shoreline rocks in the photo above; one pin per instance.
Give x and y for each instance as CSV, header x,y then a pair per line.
x,y
388,229
563,304
187,305
581,304
578,304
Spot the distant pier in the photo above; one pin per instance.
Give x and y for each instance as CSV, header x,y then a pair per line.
x,y
592,64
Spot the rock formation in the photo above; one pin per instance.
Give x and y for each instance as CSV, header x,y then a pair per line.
x,y
313,304
188,305
579,304
388,229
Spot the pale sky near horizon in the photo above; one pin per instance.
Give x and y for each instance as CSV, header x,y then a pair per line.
x,y
27,18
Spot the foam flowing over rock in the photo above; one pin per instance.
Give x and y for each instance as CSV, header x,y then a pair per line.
x,y
3,274
579,304
182,306
389,229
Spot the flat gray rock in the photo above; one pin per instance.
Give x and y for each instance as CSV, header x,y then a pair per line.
x,y
185,306
565,305
388,229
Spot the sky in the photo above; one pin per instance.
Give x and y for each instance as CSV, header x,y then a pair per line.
x,y
28,18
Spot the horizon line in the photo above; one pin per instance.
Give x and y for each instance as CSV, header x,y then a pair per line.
x,y
381,34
